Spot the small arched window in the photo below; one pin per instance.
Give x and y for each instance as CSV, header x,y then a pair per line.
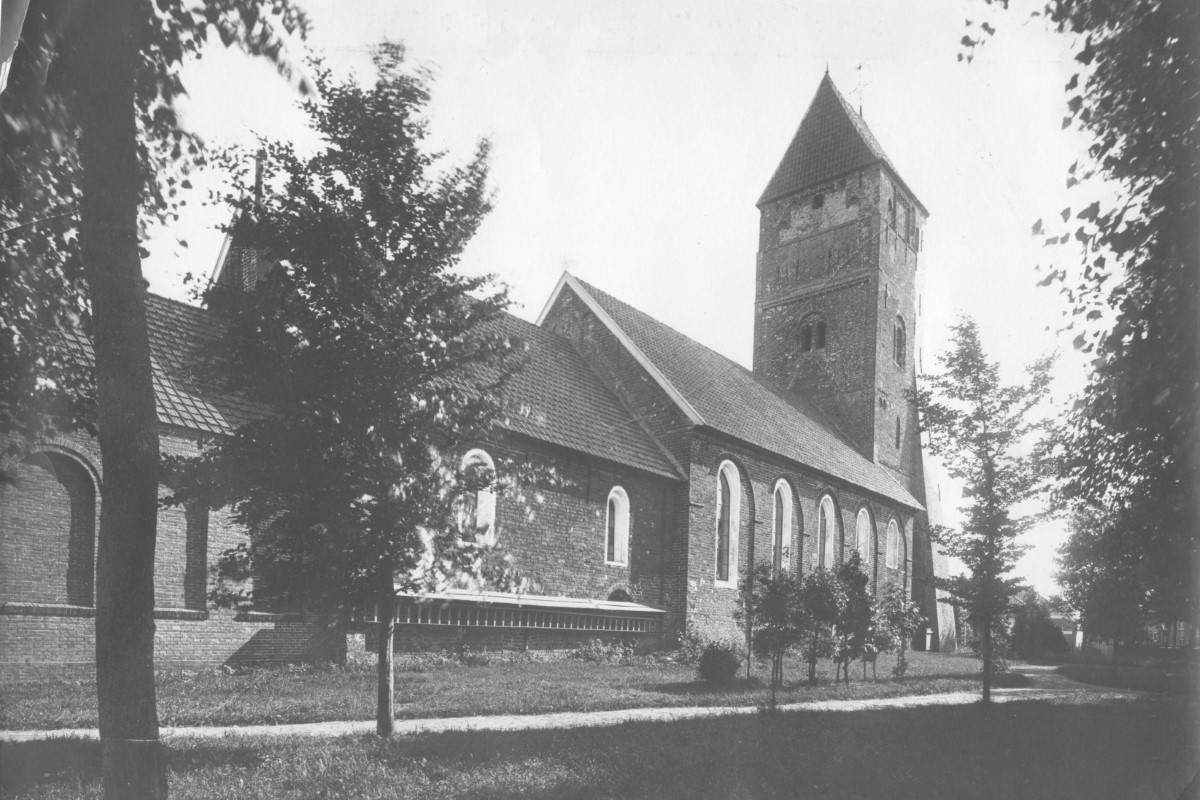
x,y
781,527
616,539
899,342
819,335
891,212
818,200
729,511
893,544
864,535
477,512
897,433
806,337
827,534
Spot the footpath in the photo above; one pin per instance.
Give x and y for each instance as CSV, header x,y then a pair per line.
x,y
1047,687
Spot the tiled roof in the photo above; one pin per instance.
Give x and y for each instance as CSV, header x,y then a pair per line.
x,y
557,398
832,140
554,398
729,398
179,335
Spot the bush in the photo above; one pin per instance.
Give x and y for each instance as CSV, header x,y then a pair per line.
x,y
719,663
691,646
603,652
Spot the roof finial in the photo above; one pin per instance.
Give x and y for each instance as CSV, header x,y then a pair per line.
x,y
827,68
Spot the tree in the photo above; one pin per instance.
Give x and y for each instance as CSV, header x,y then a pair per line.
x,y
1104,578
88,121
1132,443
1034,635
379,362
982,429
897,620
771,601
854,623
822,601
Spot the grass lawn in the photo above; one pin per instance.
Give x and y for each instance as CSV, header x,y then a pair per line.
x,y
1146,749
282,696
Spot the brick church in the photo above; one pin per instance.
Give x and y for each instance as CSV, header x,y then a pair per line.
x,y
685,468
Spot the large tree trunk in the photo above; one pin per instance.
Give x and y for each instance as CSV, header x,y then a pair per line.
x,y
385,702
132,762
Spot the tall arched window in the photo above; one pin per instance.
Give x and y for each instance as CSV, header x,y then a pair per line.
x,y
864,535
48,531
729,514
893,544
781,526
899,342
616,526
819,335
897,438
477,513
827,533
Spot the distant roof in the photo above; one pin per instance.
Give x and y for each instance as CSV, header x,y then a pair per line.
x,y
832,140
555,397
719,393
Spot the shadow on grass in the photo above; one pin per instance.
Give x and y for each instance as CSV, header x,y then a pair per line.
x,y
1063,751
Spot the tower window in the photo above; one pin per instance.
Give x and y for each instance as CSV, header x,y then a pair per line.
x,y
897,433
892,212
818,200
812,334
899,342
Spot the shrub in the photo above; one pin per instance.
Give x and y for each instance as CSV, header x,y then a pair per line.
x,y
691,646
719,663
603,652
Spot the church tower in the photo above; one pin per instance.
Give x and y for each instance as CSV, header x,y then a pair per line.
x,y
836,291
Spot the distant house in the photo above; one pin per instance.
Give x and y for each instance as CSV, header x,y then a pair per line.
x,y
687,468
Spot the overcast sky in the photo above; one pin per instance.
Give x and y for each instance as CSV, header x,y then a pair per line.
x,y
631,140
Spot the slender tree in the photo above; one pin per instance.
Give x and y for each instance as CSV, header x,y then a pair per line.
x,y
822,602
986,432
771,601
853,625
93,153
897,620
379,362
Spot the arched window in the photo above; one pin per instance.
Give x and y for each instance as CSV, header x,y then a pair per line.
x,y
806,337
781,526
616,539
819,335
899,342
48,531
729,514
891,212
897,433
893,544
827,534
864,535
477,513
818,200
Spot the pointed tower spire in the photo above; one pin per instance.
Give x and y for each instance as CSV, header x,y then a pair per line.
x,y
832,140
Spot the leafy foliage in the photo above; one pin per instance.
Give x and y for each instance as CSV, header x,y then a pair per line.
x,y
822,602
897,620
771,600
1034,636
983,430
1131,448
854,623
372,354
719,662
46,384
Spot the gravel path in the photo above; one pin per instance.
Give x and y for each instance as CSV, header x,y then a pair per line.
x,y
1048,686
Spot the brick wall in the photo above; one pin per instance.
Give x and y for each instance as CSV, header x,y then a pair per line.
x,y
710,607
47,563
556,536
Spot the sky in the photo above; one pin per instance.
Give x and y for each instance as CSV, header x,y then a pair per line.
x,y
631,141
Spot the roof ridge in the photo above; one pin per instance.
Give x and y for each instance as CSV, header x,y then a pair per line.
x,y
808,408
